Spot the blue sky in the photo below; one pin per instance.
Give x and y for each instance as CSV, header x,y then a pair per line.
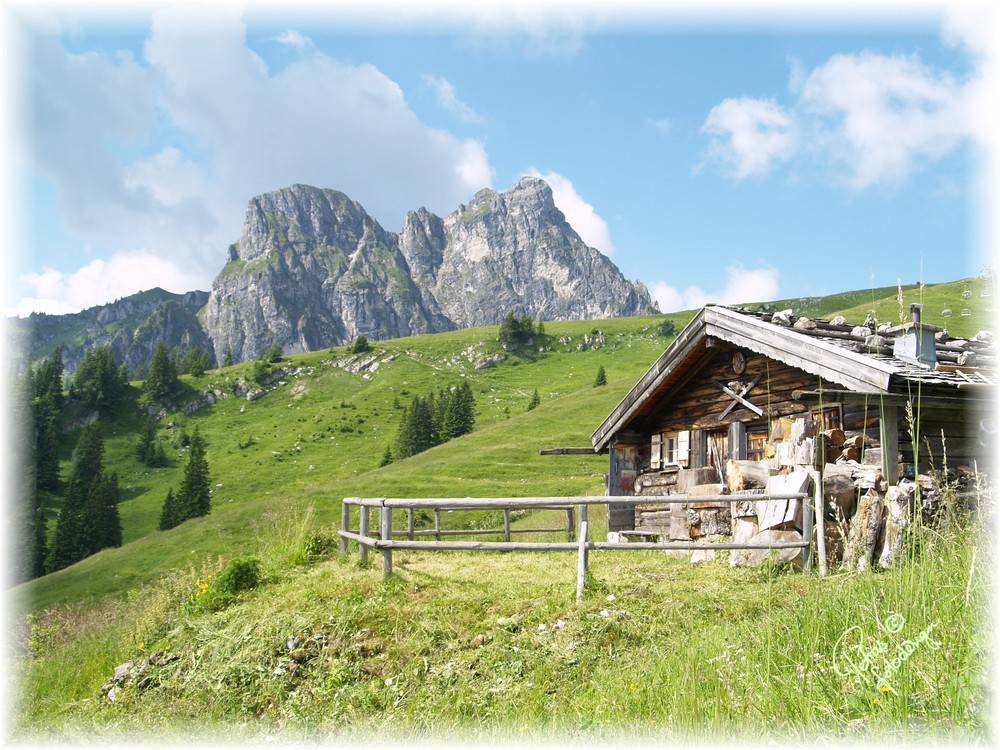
x,y
767,155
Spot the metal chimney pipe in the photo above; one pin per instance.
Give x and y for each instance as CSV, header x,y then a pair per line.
x,y
915,313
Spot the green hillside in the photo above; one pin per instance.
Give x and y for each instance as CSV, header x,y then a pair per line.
x,y
462,643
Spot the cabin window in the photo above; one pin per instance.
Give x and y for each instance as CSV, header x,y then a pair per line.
x,y
670,449
757,443
827,418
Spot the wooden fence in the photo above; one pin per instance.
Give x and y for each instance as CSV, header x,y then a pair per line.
x,y
386,541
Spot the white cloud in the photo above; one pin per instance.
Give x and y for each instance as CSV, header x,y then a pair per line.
x,y
225,129
861,119
742,285
593,230
99,282
880,115
291,38
749,135
447,99
167,175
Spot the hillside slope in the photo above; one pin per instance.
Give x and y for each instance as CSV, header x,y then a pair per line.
x,y
464,645
322,430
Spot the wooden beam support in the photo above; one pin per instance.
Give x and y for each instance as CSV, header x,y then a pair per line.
x,y
889,434
738,398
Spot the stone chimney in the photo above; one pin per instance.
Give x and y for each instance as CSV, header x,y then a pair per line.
x,y
914,342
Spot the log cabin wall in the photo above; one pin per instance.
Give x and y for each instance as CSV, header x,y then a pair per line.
x,y
951,433
699,403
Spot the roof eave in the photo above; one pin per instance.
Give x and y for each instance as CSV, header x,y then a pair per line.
x,y
861,373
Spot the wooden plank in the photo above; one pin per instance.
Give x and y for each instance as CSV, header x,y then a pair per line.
x,y
363,552
875,398
581,562
739,397
560,502
359,538
573,546
345,525
385,525
889,425
588,451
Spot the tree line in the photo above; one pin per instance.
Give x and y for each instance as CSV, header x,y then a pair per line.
x,y
433,419
87,520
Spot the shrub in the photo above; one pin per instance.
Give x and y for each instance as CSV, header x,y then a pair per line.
x,y
360,346
240,574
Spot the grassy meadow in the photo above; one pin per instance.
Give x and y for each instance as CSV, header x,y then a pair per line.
x,y
481,646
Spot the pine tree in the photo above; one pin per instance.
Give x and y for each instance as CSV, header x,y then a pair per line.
x,y
28,506
170,515
49,379
196,361
602,378
404,438
47,438
68,539
194,496
459,415
99,383
386,457
510,331
535,400
146,446
162,380
89,519
103,521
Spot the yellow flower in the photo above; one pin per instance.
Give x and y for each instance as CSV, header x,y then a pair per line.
x,y
142,645
883,689
875,701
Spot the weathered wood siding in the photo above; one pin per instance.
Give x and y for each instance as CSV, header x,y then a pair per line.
x,y
697,404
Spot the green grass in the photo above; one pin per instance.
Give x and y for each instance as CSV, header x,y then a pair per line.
x,y
683,651
494,646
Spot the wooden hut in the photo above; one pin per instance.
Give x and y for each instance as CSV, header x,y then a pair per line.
x,y
746,399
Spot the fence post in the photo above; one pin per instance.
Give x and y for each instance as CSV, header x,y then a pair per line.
x,y
569,524
410,523
345,524
820,522
363,530
385,521
807,532
437,524
581,562
583,513
506,524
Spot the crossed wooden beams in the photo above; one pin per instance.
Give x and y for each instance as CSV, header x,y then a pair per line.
x,y
739,398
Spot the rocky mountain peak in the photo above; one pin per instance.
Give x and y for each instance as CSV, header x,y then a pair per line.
x,y
313,269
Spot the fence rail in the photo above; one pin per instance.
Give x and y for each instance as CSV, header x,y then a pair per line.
x,y
385,543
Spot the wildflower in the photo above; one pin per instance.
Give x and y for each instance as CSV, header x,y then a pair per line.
x,y
883,689
142,645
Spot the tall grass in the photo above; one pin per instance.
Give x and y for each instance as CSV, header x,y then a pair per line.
x,y
493,645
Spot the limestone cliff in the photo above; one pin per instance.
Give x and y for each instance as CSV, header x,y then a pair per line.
x,y
312,269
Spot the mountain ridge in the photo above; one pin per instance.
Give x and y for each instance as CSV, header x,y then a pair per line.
x,y
312,269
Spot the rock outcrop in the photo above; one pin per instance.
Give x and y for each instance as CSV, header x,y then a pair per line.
x,y
132,327
312,269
